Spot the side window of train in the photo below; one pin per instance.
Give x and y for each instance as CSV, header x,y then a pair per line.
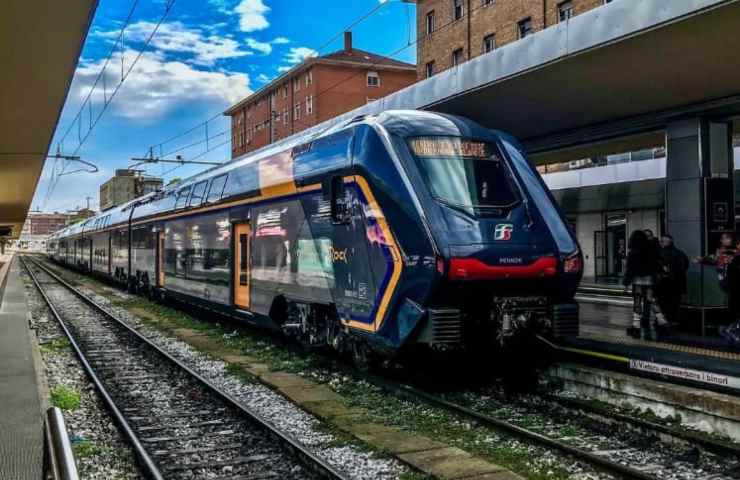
x,y
199,194
182,197
337,194
217,189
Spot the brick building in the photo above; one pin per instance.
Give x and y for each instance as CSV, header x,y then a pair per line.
x,y
316,90
39,226
454,31
125,186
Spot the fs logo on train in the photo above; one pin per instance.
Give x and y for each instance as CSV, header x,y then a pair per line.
x,y
503,232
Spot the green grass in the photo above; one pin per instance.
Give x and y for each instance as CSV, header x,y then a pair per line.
x,y
58,345
65,398
85,449
385,408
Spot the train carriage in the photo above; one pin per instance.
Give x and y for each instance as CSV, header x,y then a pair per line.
x,y
404,228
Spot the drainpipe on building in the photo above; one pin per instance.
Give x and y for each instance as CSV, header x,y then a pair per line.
x,y
470,14
544,14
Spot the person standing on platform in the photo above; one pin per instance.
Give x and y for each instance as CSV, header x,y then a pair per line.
x,y
672,283
641,272
727,264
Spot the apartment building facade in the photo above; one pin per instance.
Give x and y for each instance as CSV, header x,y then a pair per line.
x,y
126,185
454,31
316,90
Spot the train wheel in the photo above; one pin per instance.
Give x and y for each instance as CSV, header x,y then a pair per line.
x,y
363,357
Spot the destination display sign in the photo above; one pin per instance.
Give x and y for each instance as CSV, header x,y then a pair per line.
x,y
686,373
449,147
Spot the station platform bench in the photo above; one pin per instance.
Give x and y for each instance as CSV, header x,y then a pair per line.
x,y
21,420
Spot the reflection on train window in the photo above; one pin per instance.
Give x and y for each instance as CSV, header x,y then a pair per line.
x,y
196,257
182,197
464,173
217,188
243,259
143,238
242,180
199,193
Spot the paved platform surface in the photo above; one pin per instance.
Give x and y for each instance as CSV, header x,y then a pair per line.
x,y
21,424
603,340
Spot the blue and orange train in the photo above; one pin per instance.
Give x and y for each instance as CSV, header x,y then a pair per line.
x,y
405,228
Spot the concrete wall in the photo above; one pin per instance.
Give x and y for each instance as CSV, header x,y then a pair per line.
x,y
586,225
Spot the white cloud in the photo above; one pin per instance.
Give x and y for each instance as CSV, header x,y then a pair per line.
x,y
252,15
263,78
262,47
296,55
280,41
177,37
299,54
157,86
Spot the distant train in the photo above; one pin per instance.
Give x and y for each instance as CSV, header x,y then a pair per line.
x,y
403,229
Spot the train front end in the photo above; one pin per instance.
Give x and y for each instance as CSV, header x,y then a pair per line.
x,y
506,261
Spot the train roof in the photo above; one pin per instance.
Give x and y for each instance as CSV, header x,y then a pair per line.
x,y
400,122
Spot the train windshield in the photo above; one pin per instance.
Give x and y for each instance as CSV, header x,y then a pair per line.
x,y
466,174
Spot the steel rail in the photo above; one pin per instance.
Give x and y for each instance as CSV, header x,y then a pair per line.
x,y
60,458
146,463
601,463
710,444
309,460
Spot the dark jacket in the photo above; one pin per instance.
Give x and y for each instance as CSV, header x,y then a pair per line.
x,y
675,263
641,262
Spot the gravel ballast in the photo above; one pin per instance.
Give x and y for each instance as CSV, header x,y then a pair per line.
x,y
269,405
100,451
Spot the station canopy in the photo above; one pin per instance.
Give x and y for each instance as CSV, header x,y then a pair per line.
x,y
605,81
40,42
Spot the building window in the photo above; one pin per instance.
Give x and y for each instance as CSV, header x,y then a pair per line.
x,y
486,3
430,22
457,57
309,105
369,100
297,111
525,27
373,79
489,43
457,9
565,11
296,84
285,91
429,69
309,78
285,116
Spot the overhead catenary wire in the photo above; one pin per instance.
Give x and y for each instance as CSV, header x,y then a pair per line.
x,y
107,99
204,124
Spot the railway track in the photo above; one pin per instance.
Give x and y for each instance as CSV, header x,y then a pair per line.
x,y
652,454
179,425
655,453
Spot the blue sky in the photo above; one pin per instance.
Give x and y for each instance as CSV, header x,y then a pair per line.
x,y
206,55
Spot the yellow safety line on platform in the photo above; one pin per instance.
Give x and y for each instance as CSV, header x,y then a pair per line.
x,y
607,356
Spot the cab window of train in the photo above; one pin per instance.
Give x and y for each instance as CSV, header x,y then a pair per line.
x,y
464,173
217,188
182,197
199,193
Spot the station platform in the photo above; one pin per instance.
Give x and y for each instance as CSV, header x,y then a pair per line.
x,y
21,420
683,356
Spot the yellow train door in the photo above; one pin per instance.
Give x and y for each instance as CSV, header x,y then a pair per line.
x,y
160,259
242,259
